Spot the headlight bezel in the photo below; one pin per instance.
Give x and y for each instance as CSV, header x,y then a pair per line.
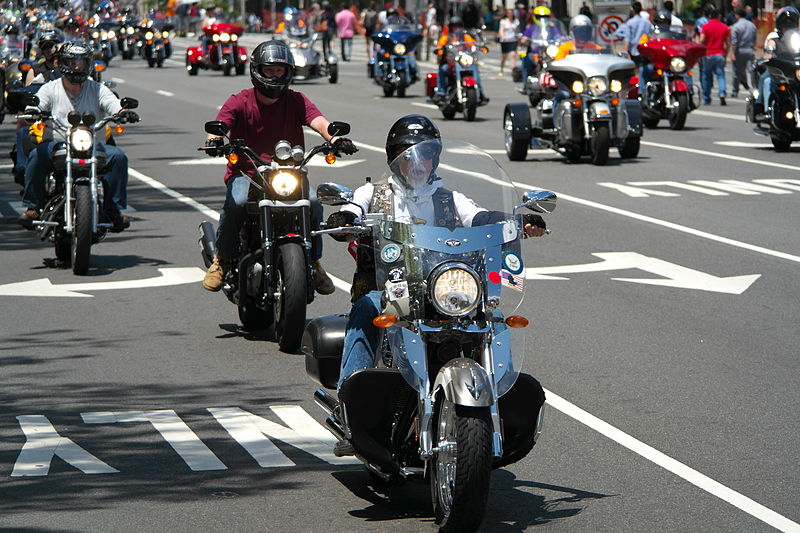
x,y
597,85
439,276
677,64
81,140
284,183
466,60
399,49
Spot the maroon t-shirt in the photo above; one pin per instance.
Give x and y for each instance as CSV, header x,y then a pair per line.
x,y
261,126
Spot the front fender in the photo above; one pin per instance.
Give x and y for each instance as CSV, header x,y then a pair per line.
x,y
678,86
465,382
599,111
468,81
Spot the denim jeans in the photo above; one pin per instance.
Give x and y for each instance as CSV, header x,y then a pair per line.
x,y
233,214
765,88
361,337
19,148
347,48
40,163
444,76
714,66
527,68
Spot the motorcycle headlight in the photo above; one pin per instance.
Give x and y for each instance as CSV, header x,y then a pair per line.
x,y
455,289
577,87
81,140
299,61
130,31
284,183
165,34
103,35
466,60
215,38
95,34
157,35
552,51
148,35
400,49
597,85
293,44
234,37
225,37
616,86
112,34
677,64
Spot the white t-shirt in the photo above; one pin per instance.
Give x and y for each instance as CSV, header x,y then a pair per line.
x,y
430,17
509,31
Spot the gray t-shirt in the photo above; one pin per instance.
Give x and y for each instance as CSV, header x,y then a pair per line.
x,y
94,98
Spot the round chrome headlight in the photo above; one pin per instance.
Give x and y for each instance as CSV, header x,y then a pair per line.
x,y
165,34
616,86
148,35
225,37
130,31
284,183
215,37
577,87
597,85
81,140
455,289
552,51
677,64
466,60
299,61
399,49
112,34
95,35
234,37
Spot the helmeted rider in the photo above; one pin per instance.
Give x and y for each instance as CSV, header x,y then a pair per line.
x,y
662,22
543,28
47,67
262,116
455,34
75,91
788,18
582,31
413,193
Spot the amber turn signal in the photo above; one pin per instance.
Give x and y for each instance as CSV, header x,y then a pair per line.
x,y
615,101
384,321
233,159
119,130
330,159
517,321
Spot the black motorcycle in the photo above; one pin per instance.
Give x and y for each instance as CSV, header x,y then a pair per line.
x,y
271,280
779,120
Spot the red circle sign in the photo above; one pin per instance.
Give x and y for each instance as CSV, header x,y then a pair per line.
x,y
608,25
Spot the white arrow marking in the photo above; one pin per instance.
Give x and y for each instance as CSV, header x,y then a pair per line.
x,y
43,287
316,162
675,275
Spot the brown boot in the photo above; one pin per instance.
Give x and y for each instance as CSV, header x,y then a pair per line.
x,y
27,218
215,275
320,279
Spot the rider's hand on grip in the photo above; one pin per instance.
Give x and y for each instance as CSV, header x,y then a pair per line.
x,y
345,146
339,219
129,116
533,225
214,146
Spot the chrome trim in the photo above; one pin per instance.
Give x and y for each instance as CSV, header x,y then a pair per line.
x,y
279,203
437,272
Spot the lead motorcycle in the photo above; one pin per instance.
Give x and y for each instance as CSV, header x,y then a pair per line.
x,y
392,66
73,218
270,282
447,401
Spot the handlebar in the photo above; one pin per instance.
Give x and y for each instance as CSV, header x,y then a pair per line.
x,y
345,230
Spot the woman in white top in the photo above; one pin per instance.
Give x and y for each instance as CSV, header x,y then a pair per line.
x,y
509,35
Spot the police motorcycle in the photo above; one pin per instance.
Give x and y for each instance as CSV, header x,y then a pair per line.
x,y
271,280
309,62
447,401
73,218
779,120
582,107
392,67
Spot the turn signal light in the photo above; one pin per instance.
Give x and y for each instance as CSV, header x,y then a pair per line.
x,y
690,73
659,72
24,67
233,159
615,101
119,130
384,321
578,102
517,321
330,159
782,87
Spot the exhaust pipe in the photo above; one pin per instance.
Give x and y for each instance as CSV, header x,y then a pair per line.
x,y
208,242
325,401
334,427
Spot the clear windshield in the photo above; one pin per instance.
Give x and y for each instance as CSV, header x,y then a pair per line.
x,y
671,32
546,31
448,252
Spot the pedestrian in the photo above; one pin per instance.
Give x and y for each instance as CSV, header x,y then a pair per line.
x,y
717,38
327,27
471,15
345,27
369,19
743,42
509,36
632,30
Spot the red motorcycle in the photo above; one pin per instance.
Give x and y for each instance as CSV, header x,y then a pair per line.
x,y
668,91
218,50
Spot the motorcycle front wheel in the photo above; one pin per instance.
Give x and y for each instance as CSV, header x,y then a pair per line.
x,y
599,144
388,90
462,465
82,236
471,104
290,304
780,144
677,119
333,73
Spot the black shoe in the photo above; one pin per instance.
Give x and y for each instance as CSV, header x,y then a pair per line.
x,y
722,101
343,448
734,95
119,221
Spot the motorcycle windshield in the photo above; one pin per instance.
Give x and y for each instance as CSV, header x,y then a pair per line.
x,y
543,33
673,32
789,44
448,251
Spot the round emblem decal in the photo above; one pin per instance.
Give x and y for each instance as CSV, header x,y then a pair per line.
x,y
512,262
390,253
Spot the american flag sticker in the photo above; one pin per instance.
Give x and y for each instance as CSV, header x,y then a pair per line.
x,y
513,281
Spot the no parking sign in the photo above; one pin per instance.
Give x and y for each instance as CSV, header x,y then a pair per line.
x,y
608,25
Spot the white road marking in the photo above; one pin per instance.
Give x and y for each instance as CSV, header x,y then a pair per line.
x,y
6,166
639,189
210,213
739,187
716,114
44,288
117,80
740,144
165,93
42,443
426,106
706,153
174,430
675,275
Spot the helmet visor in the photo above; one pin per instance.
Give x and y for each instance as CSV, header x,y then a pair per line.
x,y
75,64
415,165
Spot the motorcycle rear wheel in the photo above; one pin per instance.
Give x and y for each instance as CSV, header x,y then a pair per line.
x,y
192,70
630,149
240,69
516,147
677,119
462,467
471,105
81,250
599,144
401,91
650,123
226,71
448,112
290,308
780,144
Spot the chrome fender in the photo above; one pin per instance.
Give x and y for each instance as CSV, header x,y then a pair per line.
x,y
599,111
465,382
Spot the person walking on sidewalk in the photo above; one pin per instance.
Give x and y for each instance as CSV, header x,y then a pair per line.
x,y
717,38
743,41
345,26
509,36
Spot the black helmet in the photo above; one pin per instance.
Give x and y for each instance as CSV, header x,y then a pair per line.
x,y
75,61
50,36
663,19
271,53
455,22
413,147
787,18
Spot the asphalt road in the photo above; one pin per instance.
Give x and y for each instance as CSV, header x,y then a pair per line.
x,y
672,392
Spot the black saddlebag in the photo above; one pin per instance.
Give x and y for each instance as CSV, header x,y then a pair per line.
x,y
323,340
519,411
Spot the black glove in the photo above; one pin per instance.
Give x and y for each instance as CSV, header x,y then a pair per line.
x,y
214,146
129,116
338,219
533,220
345,146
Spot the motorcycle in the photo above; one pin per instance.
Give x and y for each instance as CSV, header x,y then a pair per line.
x,y
127,37
103,39
391,68
218,50
462,93
447,401
669,93
541,49
778,120
271,280
73,219
584,107
154,47
309,63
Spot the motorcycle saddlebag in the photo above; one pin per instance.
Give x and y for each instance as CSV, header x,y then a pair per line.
x,y
519,412
634,110
430,83
323,341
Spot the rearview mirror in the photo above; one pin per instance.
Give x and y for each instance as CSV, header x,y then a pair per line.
x,y
336,129
129,103
333,194
217,127
539,201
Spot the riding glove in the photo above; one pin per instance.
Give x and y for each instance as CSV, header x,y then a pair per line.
x,y
345,145
214,146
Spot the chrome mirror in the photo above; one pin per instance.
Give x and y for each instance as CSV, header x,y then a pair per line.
x,y
333,194
539,201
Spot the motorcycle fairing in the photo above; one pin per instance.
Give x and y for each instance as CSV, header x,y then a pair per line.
x,y
661,51
678,86
599,111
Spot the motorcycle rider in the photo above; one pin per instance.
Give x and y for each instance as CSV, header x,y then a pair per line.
x,y
262,116
543,28
582,31
661,30
412,192
455,34
75,91
787,18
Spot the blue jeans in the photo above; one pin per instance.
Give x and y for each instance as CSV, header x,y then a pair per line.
x,y
233,214
527,67
361,338
444,76
347,48
765,89
714,66
19,148
115,174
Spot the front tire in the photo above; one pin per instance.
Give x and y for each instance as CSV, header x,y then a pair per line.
x,y
401,91
599,144
226,71
516,144
240,69
333,73
388,91
630,148
461,469
192,70
677,119
293,291
780,144
471,104
82,237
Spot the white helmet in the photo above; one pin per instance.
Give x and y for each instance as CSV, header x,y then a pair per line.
x,y
581,28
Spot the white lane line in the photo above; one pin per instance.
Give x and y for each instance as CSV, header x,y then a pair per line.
x,y
716,114
117,80
165,93
157,185
722,156
426,106
740,144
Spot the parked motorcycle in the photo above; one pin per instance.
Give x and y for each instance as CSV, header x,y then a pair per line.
x,y
669,92
393,67
463,93
309,63
584,107
218,50
73,218
779,119
447,401
271,280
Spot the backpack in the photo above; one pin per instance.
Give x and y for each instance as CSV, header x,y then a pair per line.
x,y
370,19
